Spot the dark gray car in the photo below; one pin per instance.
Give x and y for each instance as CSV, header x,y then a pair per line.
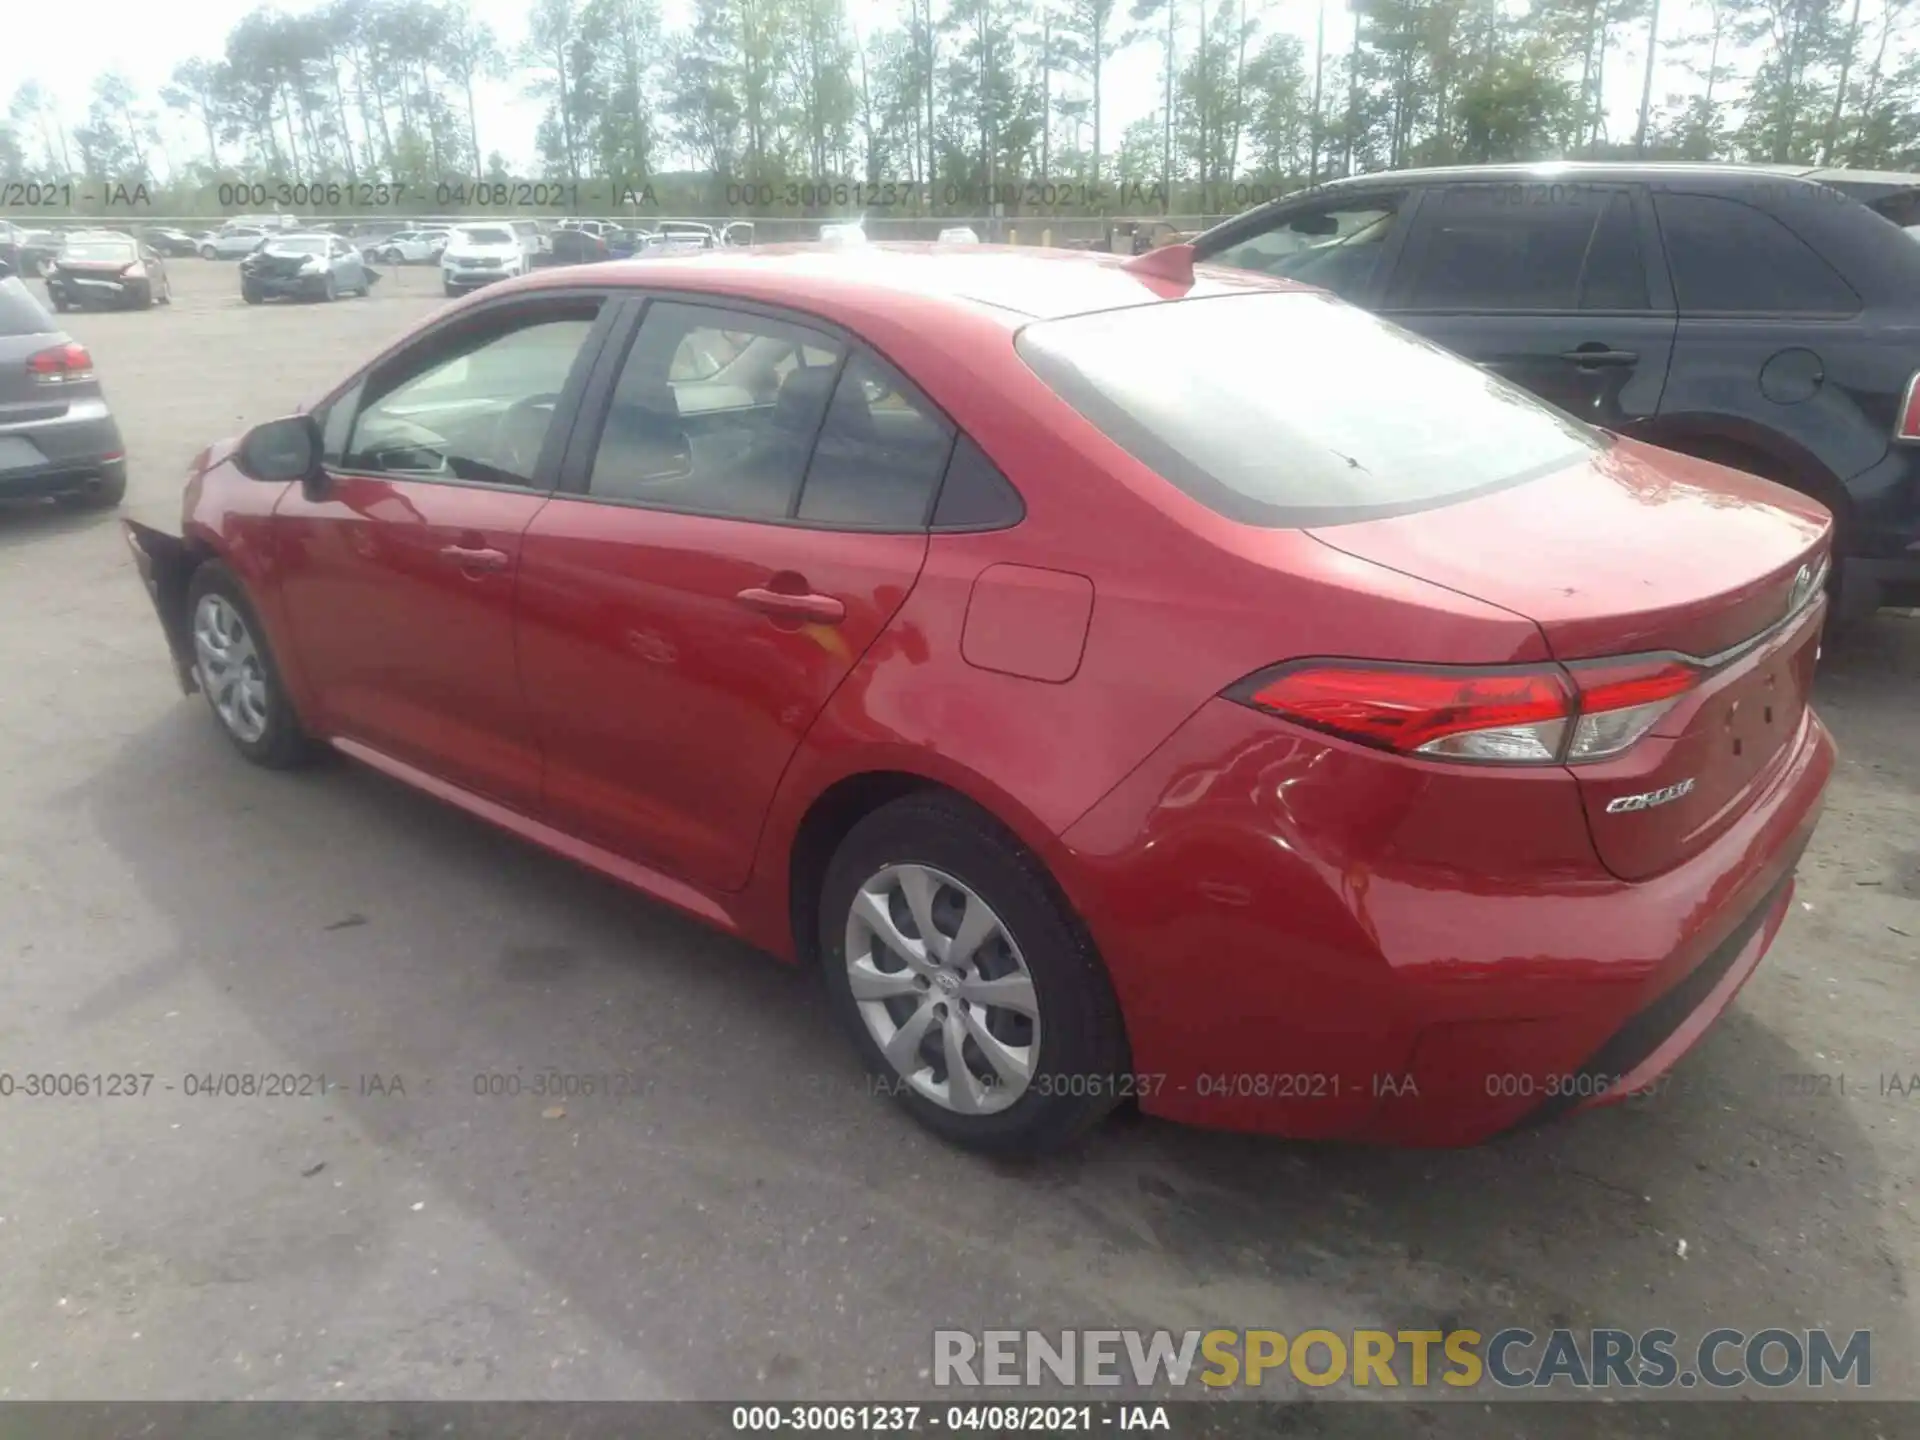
x,y
57,436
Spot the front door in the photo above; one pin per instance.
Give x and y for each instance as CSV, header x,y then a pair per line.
x,y
743,525
1548,286
399,576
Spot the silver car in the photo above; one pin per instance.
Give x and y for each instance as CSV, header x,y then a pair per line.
x,y
57,436
304,267
233,241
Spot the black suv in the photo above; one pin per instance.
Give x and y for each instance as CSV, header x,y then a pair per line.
x,y
1752,317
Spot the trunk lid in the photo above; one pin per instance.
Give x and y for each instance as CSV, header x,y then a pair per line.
x,y
1642,551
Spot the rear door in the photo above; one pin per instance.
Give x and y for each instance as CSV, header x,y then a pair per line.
x,y
1554,287
743,511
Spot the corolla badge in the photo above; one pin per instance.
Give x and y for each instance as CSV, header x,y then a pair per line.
x,y
1650,798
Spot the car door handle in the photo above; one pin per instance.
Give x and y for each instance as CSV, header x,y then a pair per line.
x,y
471,558
1600,355
821,609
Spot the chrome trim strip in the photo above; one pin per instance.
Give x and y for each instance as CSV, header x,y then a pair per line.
x,y
1815,593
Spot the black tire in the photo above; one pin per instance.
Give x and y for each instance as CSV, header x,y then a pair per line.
x,y
207,252
147,299
250,295
284,744
1083,1049
60,304
453,291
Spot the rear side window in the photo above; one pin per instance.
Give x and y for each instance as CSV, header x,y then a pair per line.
x,y
1284,409
1730,258
20,313
880,453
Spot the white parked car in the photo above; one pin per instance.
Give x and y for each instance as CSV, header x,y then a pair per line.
x,y
233,241
480,254
837,232
958,235
410,247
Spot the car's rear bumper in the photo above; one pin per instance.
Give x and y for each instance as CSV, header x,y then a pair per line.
x,y
1883,566
97,292
285,287
65,477
1300,949
474,279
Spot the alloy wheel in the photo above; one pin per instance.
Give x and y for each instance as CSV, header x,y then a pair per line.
x,y
231,671
943,989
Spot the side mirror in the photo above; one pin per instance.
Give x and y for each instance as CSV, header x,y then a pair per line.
x,y
1314,225
281,450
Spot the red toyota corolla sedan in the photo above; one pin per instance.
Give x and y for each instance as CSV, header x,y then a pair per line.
x,y
1125,683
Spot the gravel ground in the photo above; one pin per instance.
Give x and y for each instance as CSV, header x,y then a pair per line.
x,y
752,1224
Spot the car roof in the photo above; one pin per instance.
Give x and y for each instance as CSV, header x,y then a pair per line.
x,y
1547,171
1026,283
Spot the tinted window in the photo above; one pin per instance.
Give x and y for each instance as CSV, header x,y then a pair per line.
x,y
105,250
20,313
488,236
476,406
1336,246
1482,247
880,454
975,495
1616,274
1350,418
1729,257
715,411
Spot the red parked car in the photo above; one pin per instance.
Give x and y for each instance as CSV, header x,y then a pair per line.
x,y
1127,684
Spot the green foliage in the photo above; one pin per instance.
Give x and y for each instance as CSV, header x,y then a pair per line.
x,y
957,95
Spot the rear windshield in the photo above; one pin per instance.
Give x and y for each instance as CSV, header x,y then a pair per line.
x,y
487,237
299,245
20,313
1287,409
97,250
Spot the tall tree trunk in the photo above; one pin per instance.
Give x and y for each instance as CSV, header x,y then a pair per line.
x,y
1353,95
1319,72
1572,140
1840,89
1239,97
1646,81
1099,63
1166,130
340,113
1872,96
1046,91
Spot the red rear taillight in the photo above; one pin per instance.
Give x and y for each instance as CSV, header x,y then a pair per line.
x,y
61,364
1908,426
1538,715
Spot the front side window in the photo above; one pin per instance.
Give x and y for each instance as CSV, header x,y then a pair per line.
x,y
477,404
1336,246
1291,408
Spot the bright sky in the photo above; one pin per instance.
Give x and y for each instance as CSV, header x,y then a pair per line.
x,y
145,41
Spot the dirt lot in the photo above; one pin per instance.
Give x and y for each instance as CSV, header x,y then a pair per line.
x,y
753,1225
